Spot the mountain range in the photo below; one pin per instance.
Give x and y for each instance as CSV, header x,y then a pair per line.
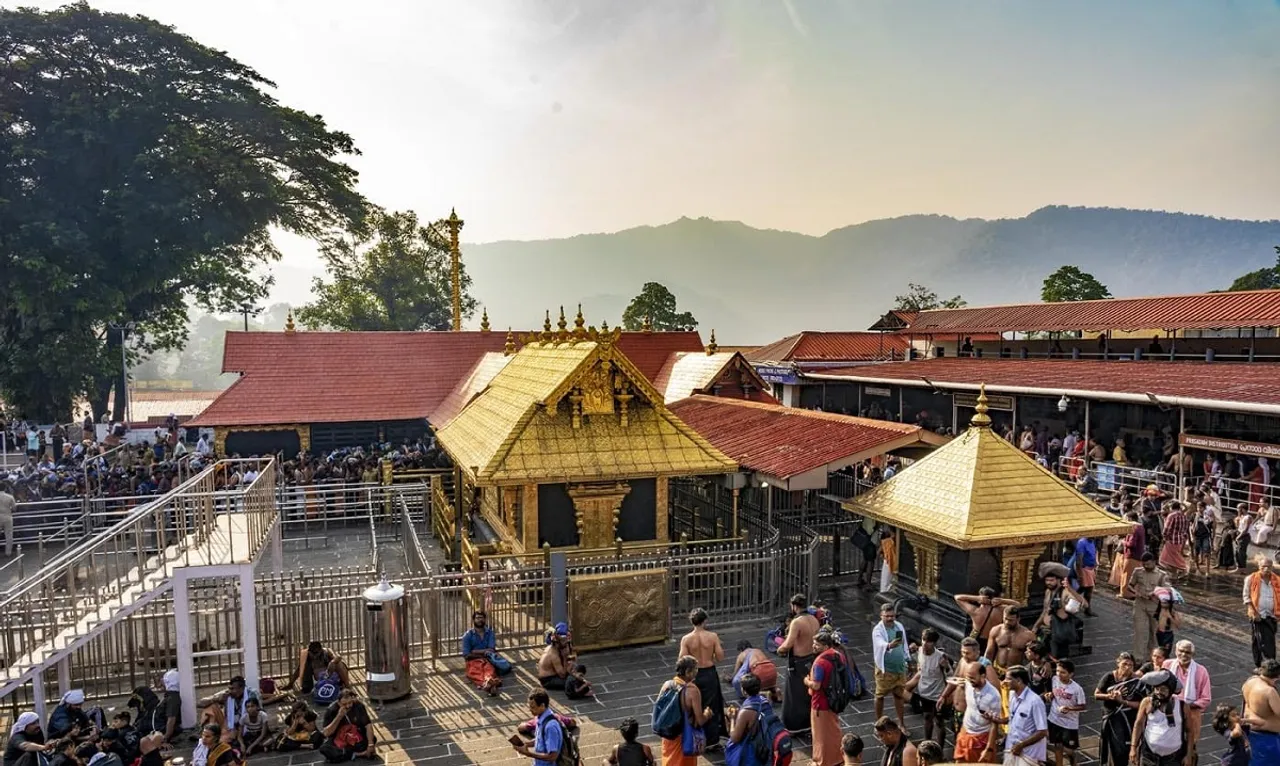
x,y
754,286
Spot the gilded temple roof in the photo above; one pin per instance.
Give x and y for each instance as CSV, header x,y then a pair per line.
x,y
980,491
573,408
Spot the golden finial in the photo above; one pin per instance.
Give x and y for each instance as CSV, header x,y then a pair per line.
x,y
484,321
980,417
712,347
648,324
604,325
579,325
546,328
288,323
510,348
562,331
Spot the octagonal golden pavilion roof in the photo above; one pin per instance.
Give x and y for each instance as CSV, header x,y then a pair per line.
x,y
980,491
570,407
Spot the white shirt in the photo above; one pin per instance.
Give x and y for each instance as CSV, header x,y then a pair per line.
x,y
1026,718
880,643
1266,600
203,447
977,702
1066,695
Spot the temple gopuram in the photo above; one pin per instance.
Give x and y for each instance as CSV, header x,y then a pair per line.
x,y
567,445
977,512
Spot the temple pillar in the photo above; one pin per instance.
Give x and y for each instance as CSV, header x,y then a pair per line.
x,y
304,438
928,555
1016,573
661,510
529,512
220,441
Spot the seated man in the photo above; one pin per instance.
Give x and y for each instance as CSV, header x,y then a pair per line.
x,y
317,665
346,730
70,720
226,709
557,658
479,649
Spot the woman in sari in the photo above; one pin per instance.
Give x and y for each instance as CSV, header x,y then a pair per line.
x,y
695,715
1120,692
1132,548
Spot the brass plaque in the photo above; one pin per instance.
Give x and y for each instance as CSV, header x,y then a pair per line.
x,y
619,609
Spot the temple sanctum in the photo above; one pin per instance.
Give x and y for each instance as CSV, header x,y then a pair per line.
x,y
566,444
977,512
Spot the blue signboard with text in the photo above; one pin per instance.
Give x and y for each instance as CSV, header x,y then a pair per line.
x,y
785,374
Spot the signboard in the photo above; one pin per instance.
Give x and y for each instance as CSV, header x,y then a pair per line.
x,y
1002,403
777,374
876,391
1234,446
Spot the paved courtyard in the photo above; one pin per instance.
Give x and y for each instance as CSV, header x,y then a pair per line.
x,y
446,722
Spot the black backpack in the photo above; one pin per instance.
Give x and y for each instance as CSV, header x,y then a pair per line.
x,y
839,688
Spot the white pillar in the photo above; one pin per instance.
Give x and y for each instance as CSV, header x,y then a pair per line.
x,y
64,676
249,626
183,643
37,696
277,546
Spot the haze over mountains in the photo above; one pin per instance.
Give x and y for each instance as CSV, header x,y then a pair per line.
x,y
754,286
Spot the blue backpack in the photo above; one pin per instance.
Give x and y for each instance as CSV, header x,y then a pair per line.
x,y
668,713
326,689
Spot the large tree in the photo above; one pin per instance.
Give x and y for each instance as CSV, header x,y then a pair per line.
x,y
394,276
921,298
656,303
1262,279
1069,283
139,169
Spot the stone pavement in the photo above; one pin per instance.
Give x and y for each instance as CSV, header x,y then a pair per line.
x,y
445,722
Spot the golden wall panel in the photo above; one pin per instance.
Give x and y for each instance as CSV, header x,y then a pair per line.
x,y
529,516
619,609
661,510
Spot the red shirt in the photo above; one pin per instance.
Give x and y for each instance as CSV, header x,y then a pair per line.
x,y
823,668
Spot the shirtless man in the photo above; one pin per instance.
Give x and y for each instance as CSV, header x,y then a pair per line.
x,y
984,611
1262,713
705,647
798,649
1009,641
556,659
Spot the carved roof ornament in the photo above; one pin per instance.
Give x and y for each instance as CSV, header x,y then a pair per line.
x,y
510,347
562,331
484,320
288,323
648,323
579,326
980,417
712,347
545,338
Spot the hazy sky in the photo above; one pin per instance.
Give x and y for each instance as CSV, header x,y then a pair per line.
x,y
543,119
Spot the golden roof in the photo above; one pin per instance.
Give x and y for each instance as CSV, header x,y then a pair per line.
x,y
573,410
980,491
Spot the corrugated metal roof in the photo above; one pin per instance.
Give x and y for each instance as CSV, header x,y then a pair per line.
x,y
786,441
812,346
1257,308
1258,382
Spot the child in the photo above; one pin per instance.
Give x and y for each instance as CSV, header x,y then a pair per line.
x,y
1167,620
121,738
1066,700
1040,666
255,730
576,686
301,733
630,752
1226,721
932,669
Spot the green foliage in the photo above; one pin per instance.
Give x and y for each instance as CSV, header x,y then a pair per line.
x,y
139,170
657,303
393,276
921,298
1069,283
1262,279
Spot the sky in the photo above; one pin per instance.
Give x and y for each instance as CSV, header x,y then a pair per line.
x,y
541,119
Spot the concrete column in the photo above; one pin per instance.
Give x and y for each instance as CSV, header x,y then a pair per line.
x,y
559,588
183,643
249,627
37,697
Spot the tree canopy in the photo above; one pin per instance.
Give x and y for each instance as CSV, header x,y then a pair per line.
x,y
921,298
1069,283
1262,279
395,275
139,170
657,303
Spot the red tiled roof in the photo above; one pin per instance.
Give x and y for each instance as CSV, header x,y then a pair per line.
x,y
1256,308
337,377
1255,383
785,441
810,347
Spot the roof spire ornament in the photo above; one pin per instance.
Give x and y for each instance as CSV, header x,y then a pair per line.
x,y
579,325
288,323
562,332
510,347
648,323
712,347
546,329
484,321
980,417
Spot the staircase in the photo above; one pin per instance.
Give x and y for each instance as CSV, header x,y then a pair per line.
x,y
103,580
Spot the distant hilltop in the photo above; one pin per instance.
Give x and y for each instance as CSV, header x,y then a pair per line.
x,y
756,285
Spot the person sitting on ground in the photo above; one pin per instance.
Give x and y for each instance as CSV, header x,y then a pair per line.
x,y
69,719
346,730
25,736
121,738
479,646
630,752
213,749
556,659
255,729
226,709
320,666
757,663
152,749
301,731
63,753
153,714
576,686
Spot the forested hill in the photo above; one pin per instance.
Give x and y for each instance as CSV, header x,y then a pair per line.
x,y
755,285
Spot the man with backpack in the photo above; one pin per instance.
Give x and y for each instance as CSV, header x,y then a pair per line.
x,y
551,744
829,690
757,736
